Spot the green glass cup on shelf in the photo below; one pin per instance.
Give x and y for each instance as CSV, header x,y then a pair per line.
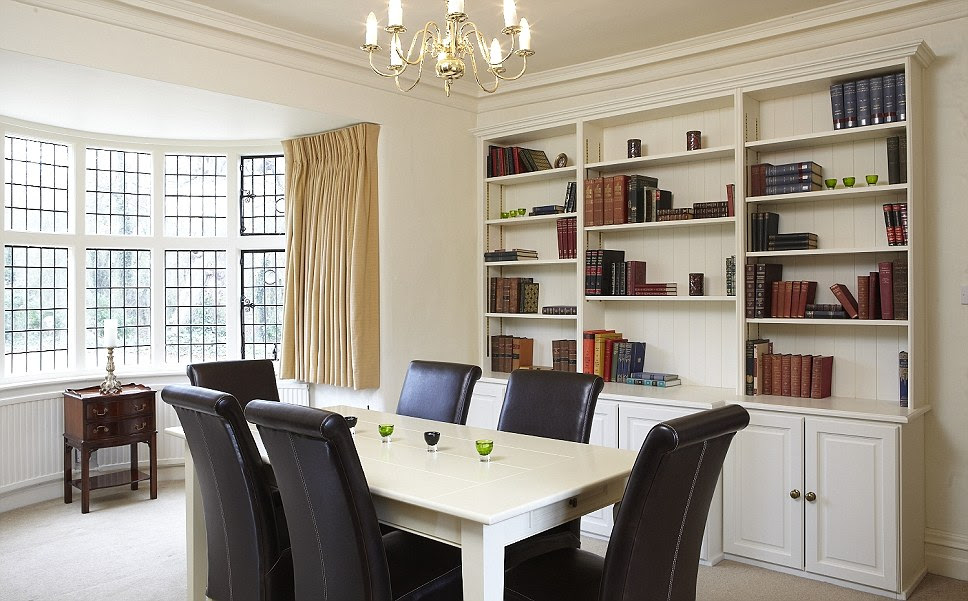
x,y
484,448
522,212
386,430
849,181
831,183
871,179
505,214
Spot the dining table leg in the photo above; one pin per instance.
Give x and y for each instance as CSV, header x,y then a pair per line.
x,y
482,561
195,540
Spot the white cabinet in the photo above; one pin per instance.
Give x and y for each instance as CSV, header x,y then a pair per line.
x,y
816,494
486,403
604,433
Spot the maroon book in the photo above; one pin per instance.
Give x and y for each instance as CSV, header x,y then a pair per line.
x,y
620,199
608,210
808,293
874,295
589,205
863,297
806,372
843,294
796,364
886,271
777,373
822,377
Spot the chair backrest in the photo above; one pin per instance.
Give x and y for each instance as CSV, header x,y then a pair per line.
x,y
337,547
551,404
438,391
245,380
244,545
654,549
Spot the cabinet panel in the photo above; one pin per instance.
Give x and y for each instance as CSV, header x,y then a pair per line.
x,y
486,403
853,523
761,520
604,433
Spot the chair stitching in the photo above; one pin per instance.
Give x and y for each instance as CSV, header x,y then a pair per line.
x,y
427,583
312,514
685,513
221,510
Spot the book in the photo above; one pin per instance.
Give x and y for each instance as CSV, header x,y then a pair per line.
x,y
749,283
656,383
803,177
885,270
850,104
821,376
637,359
530,297
900,96
634,276
847,301
608,210
902,377
635,196
877,100
571,197
762,226
620,206
522,352
599,353
792,188
863,297
808,292
776,375
588,349
598,201
793,168
730,200
608,358
864,102
796,364
902,157
890,110
837,105
653,375
731,275
806,372
750,371
894,160
766,274
900,287
767,373
786,362
588,205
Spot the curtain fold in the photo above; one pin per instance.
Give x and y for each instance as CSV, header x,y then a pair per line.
x,y
331,318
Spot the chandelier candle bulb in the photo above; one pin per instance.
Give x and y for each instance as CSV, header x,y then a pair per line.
x,y
371,30
396,53
510,14
110,333
524,39
395,14
495,54
455,7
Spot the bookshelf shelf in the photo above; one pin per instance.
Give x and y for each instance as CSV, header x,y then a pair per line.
x,y
527,220
689,156
858,193
530,316
840,136
817,252
640,298
534,176
530,263
624,227
897,323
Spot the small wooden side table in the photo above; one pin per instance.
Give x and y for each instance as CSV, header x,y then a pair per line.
x,y
95,421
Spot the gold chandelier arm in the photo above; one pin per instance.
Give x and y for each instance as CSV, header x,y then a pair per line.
x,y
477,77
429,32
482,46
396,79
524,66
381,73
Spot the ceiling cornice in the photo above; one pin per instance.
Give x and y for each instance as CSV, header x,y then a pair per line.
x,y
194,24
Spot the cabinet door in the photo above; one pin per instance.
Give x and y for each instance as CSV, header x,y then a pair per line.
x,y
604,433
486,403
761,520
852,526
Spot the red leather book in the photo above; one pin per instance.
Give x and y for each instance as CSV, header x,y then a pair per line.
x,y
843,294
620,199
785,374
795,303
874,295
598,201
808,294
787,298
608,210
767,372
900,271
889,224
823,369
900,233
775,299
863,297
588,206
796,364
806,372
588,350
560,225
749,279
886,271
777,375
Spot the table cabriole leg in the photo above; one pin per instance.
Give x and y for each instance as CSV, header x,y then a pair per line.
x,y
68,473
85,479
134,466
153,466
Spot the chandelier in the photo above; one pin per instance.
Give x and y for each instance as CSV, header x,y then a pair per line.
x,y
449,45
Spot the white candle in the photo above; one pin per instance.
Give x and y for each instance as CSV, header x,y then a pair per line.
x,y
455,6
371,30
495,54
395,13
510,14
524,38
110,333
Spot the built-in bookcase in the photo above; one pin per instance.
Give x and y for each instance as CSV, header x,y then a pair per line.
x,y
777,118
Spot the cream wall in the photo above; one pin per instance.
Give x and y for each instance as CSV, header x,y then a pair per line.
x,y
946,179
427,214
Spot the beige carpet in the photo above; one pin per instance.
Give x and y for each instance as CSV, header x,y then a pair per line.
x,y
129,547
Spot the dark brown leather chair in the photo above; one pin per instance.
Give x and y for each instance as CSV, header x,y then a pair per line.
x,y
337,549
245,380
551,404
654,550
248,542
438,391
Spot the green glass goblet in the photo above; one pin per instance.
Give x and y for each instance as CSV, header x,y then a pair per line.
x,y
871,179
385,431
849,181
831,183
484,448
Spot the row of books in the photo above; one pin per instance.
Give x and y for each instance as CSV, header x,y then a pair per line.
x,y
870,101
512,160
792,241
788,178
897,160
607,273
567,238
791,298
509,353
608,354
804,376
559,310
571,197
623,199
564,355
896,223
659,380
762,225
881,294
546,210
512,295
510,254
759,278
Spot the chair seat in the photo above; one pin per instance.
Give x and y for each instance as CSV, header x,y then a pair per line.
x,y
422,569
563,575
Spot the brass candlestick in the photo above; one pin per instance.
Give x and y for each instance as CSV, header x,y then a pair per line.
x,y
110,385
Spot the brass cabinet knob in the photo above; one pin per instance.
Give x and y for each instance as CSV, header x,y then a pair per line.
x,y
810,497
794,494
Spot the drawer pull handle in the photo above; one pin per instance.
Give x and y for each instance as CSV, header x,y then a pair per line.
x,y
141,427
142,407
101,429
101,413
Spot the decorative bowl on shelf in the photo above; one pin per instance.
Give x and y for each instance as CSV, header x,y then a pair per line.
x,y
871,179
831,183
849,181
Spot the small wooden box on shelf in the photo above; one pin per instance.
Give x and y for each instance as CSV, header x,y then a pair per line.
x,y
93,421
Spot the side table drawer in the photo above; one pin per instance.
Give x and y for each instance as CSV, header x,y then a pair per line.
x,y
142,406
102,409
138,425
99,430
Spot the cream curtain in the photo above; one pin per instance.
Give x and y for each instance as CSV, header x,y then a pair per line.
x,y
331,331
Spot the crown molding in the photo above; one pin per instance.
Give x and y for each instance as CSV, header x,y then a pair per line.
x,y
191,23
845,22
713,88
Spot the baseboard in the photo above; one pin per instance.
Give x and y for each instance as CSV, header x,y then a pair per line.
x,y
53,486
804,574
946,553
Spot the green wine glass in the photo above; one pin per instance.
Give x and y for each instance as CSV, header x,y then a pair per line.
x,y
849,181
386,430
871,179
484,448
831,183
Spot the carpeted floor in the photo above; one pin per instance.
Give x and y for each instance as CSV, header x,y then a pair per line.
x,y
128,547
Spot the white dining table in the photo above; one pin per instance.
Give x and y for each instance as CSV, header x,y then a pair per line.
x,y
529,485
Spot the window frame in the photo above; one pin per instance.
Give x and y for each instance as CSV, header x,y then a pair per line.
x,y
78,240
